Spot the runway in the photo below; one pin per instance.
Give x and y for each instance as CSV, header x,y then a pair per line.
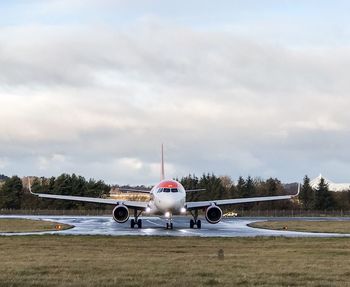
x,y
155,226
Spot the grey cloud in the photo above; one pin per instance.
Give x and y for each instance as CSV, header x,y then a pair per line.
x,y
172,56
99,100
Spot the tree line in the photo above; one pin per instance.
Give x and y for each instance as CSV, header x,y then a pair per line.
x,y
223,188
321,198
13,195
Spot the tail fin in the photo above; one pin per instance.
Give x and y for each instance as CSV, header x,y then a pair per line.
x,y
162,167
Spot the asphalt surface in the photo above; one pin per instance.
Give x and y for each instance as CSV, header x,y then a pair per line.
x,y
155,226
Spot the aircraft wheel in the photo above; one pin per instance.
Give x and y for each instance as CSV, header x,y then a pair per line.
x,y
132,223
139,223
199,224
191,223
167,225
171,225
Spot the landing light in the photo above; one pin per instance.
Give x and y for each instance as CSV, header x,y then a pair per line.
x,y
167,214
148,209
183,210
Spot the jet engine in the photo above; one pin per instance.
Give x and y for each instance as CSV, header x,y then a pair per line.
x,y
213,214
121,213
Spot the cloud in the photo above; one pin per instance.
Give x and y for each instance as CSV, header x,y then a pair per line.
x,y
103,99
3,163
53,160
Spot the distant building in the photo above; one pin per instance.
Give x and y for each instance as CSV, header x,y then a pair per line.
x,y
332,186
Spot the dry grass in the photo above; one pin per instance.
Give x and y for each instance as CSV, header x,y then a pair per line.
x,y
27,225
327,226
164,261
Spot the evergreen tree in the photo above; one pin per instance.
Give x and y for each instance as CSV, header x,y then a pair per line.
x,y
323,197
191,182
249,190
213,186
272,186
11,193
306,195
240,186
245,188
36,186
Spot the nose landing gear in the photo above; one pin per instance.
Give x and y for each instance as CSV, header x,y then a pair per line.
x,y
195,221
169,224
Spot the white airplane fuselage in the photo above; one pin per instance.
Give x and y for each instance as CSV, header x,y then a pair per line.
x,y
168,196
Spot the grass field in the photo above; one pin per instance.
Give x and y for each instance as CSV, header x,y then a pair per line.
x,y
309,226
164,261
27,225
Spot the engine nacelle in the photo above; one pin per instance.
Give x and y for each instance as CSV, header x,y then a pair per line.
x,y
121,213
213,214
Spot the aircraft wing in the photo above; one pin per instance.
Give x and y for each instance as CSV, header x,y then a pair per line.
x,y
132,204
203,204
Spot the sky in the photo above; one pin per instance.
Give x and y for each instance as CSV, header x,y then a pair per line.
x,y
235,88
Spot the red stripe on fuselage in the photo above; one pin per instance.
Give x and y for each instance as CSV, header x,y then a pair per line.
x,y
168,184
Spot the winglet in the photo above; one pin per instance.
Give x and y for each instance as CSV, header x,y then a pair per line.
x,y
299,187
30,185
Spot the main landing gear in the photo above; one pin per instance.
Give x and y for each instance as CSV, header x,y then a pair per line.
x,y
195,221
136,221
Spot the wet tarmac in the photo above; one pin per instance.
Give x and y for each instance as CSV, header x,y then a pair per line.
x,y
155,226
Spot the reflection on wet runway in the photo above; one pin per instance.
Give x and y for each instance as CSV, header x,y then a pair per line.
x,y
155,226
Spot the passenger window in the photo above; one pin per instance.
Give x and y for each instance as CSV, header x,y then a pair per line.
x,y
174,190
166,190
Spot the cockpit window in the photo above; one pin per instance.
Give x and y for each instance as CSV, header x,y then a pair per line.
x,y
166,190
159,190
174,190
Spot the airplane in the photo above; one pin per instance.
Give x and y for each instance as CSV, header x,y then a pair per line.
x,y
167,197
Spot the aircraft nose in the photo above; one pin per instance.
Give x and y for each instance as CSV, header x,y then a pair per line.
x,y
168,202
